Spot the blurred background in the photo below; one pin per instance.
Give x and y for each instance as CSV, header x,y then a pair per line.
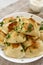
x,y
31,6
5,3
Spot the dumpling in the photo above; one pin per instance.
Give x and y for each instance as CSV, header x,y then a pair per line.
x,y
28,27
27,43
14,37
35,29
35,50
2,36
4,28
15,51
8,27
8,24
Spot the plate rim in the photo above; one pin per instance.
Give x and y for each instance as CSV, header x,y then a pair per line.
x,y
20,59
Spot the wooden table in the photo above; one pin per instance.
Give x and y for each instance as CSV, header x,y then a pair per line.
x,y
22,6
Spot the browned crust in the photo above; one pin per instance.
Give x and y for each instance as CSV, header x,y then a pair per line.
x,y
11,26
15,45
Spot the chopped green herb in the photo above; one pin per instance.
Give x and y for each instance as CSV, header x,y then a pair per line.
x,y
1,23
8,44
10,20
19,19
21,28
18,28
41,27
23,46
22,50
22,25
13,21
8,36
30,27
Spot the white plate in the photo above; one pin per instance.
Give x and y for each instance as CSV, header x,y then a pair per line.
x,y
23,60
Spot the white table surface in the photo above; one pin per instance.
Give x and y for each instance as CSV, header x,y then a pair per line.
x,y
4,3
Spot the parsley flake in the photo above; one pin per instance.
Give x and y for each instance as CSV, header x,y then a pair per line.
x,y
8,36
8,44
41,26
30,27
1,23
